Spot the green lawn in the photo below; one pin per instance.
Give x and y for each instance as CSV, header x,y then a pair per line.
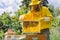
x,y
55,34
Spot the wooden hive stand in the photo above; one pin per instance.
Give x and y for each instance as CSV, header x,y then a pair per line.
x,y
36,37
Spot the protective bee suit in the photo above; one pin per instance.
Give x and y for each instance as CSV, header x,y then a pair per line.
x,y
38,20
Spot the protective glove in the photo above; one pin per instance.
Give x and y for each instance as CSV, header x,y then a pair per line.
x,y
46,18
21,17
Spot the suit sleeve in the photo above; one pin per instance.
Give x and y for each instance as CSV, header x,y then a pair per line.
x,y
48,14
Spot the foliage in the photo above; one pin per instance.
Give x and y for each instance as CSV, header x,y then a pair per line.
x,y
8,21
54,22
14,22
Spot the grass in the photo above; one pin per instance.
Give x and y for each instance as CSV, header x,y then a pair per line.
x,y
55,33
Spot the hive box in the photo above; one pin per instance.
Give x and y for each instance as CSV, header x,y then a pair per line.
x,y
36,37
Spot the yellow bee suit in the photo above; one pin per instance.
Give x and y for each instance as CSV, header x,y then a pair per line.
x,y
31,15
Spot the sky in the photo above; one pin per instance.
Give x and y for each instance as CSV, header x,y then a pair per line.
x,y
56,3
13,5
9,5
